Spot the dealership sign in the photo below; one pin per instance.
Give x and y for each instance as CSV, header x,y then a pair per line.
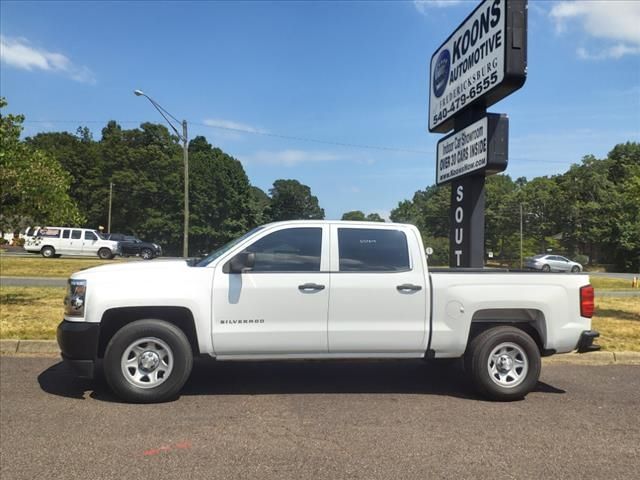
x,y
480,148
483,61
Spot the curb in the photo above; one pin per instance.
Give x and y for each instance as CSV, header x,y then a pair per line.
x,y
9,347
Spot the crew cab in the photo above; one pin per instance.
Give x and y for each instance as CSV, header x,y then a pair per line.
x,y
319,290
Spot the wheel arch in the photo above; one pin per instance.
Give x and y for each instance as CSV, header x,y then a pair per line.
x,y
529,320
116,318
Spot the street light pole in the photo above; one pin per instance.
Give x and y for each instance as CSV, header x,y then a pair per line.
x,y
185,155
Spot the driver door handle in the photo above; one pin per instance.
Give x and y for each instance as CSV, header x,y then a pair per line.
x,y
408,287
310,286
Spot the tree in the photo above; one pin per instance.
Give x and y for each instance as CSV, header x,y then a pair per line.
x,y
260,202
34,188
374,217
355,215
291,200
222,207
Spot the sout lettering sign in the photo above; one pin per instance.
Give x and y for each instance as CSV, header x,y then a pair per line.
x,y
483,61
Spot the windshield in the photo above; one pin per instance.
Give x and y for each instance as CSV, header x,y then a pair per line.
x,y
225,248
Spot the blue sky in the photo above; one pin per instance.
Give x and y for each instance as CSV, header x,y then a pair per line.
x,y
340,72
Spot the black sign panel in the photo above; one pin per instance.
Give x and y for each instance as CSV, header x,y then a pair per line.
x,y
483,61
479,148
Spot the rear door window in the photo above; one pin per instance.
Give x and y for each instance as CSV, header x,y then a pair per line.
x,y
372,250
65,233
76,234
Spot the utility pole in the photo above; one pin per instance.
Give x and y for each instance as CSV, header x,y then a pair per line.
x,y
521,265
185,151
110,199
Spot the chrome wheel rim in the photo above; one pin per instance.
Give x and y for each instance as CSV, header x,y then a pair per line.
x,y
508,365
147,362
146,254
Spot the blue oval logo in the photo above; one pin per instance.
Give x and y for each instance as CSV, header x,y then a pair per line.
x,y
441,73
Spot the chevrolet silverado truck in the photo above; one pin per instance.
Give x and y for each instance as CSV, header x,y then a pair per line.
x,y
319,290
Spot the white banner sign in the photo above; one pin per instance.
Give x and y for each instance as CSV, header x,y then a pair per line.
x,y
462,152
470,63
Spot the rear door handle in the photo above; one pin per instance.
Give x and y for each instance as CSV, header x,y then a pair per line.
x,y
310,286
408,287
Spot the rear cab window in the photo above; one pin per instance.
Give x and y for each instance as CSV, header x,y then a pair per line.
x,y
372,250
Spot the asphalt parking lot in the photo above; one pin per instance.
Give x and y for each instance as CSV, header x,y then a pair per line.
x,y
308,420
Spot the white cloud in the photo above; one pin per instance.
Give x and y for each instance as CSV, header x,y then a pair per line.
x,y
231,125
19,53
616,21
290,158
423,5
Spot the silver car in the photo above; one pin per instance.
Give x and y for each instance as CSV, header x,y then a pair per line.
x,y
552,263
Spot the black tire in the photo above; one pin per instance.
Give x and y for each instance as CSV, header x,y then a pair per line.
x,y
48,252
575,269
486,375
105,254
170,385
546,268
146,254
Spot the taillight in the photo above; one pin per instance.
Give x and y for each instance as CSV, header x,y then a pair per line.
x,y
587,304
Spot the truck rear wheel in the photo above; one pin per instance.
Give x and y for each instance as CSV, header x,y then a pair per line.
x,y
148,361
504,363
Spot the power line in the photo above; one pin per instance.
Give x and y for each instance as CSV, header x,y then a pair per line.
x,y
293,137
257,132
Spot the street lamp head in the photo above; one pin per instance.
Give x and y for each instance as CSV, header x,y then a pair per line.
x,y
138,93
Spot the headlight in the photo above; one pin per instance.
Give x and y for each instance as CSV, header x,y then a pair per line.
x,y
74,301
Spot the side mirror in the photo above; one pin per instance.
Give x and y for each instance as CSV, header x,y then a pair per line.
x,y
429,251
242,262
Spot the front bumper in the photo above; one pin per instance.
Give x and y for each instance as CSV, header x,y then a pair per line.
x,y
585,344
78,342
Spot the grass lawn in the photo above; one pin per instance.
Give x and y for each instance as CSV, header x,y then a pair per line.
x,y
47,267
30,313
608,283
34,313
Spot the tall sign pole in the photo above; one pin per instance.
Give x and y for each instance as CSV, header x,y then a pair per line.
x,y
482,61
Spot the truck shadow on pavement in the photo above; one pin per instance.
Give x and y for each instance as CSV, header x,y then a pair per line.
x,y
293,377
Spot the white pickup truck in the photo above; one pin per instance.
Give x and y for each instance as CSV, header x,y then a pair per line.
x,y
319,290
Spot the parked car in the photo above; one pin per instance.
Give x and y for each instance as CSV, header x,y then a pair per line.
x,y
132,246
52,242
552,263
319,290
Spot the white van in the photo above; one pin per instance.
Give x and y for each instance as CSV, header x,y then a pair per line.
x,y
53,242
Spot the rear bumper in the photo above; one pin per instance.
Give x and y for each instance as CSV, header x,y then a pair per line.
x,y
585,344
78,342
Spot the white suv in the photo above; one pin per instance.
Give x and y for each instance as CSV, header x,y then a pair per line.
x,y
52,242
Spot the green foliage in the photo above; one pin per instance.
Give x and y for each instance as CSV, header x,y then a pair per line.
x,y
291,200
591,211
34,187
358,216
354,215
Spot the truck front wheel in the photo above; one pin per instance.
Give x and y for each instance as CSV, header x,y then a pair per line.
x,y
504,363
148,361
105,254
